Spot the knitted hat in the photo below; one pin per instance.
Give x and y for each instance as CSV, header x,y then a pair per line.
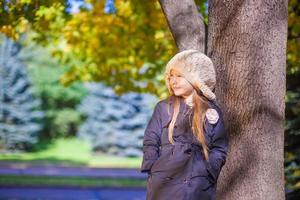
x,y
196,68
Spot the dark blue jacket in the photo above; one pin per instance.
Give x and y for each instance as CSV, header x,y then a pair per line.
x,y
180,169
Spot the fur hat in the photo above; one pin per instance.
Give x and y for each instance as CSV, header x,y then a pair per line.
x,y
196,68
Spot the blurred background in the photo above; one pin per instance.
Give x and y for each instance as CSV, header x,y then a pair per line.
x,y
79,80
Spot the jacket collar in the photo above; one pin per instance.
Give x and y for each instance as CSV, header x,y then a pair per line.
x,y
182,103
166,121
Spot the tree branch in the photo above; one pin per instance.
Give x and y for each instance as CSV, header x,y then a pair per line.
x,y
186,24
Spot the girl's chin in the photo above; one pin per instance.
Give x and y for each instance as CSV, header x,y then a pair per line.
x,y
177,93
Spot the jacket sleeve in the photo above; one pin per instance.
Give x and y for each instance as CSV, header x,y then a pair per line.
x,y
151,141
218,147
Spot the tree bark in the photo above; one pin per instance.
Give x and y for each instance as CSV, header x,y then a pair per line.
x,y
247,43
186,24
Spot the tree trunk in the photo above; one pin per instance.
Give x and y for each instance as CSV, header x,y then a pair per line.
x,y
247,42
186,23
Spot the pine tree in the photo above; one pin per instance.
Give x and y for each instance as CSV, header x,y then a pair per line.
x,y
109,7
115,125
19,114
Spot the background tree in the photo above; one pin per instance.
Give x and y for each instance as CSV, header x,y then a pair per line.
x,y
58,102
43,16
19,108
115,124
292,129
129,58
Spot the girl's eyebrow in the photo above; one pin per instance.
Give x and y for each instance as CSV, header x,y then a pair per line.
x,y
174,73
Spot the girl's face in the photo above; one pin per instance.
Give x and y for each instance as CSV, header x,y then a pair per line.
x,y
179,85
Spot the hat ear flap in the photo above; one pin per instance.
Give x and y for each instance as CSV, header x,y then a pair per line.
x,y
207,92
204,89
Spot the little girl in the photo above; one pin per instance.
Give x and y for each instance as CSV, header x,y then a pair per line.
x,y
185,143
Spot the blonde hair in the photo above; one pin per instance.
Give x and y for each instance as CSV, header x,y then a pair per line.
x,y
200,106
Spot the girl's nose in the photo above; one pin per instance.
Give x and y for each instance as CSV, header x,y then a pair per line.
x,y
173,80
174,83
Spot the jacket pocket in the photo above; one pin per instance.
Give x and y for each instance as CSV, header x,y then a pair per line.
x,y
201,182
199,166
162,178
172,161
211,174
200,173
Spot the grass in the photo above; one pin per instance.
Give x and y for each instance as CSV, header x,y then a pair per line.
x,y
16,180
71,152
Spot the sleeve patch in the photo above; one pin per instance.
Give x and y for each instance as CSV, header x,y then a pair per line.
x,y
212,115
